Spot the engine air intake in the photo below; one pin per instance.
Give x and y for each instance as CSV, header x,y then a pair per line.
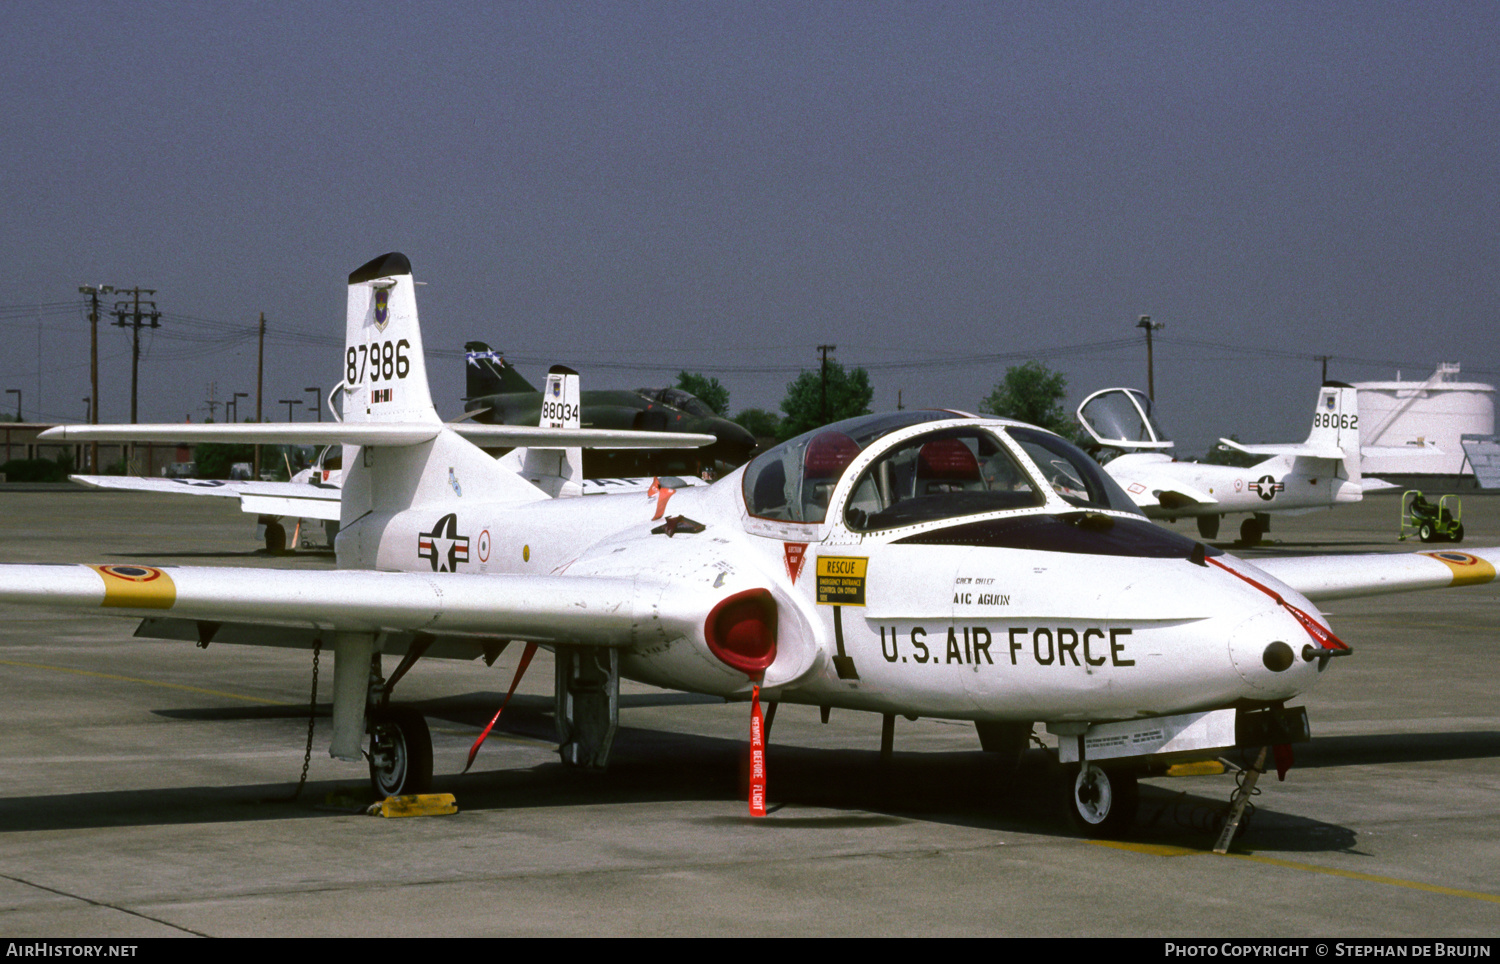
x,y
741,631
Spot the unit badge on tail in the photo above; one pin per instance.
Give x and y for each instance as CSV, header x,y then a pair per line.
x,y
382,307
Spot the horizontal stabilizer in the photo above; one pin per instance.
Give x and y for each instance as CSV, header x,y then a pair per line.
x,y
252,433
1322,578
375,433
538,437
1297,450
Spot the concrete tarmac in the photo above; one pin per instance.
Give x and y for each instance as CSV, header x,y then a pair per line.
x,y
143,788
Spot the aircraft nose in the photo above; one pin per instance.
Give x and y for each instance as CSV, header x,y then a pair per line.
x,y
735,438
1266,648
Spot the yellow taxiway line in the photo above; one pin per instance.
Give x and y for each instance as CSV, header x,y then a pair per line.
x,y
1162,850
145,682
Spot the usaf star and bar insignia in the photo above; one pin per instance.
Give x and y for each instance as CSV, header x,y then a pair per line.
x,y
443,546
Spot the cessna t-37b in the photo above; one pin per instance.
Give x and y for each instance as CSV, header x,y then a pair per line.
x,y
1319,473
915,563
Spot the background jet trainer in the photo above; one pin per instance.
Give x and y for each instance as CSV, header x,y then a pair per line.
x,y
1319,473
502,397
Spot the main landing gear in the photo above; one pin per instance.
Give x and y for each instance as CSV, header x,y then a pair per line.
x,y
400,752
400,743
1253,528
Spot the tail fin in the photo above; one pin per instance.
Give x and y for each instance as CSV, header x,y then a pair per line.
x,y
385,380
1334,437
488,373
385,370
1336,426
558,472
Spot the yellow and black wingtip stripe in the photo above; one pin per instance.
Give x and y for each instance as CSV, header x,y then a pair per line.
x,y
1468,569
137,587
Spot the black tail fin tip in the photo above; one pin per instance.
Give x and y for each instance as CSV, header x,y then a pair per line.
x,y
488,375
385,266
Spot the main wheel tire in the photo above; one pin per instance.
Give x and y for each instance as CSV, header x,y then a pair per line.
x,y
1250,532
1100,802
275,537
400,752
1457,535
1208,526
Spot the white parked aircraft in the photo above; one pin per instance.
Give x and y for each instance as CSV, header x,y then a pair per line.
x,y
314,494
1316,474
915,563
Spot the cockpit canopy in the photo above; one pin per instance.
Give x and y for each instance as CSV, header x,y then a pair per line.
x,y
678,399
950,471
1122,418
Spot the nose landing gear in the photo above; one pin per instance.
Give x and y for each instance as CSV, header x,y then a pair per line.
x,y
1100,802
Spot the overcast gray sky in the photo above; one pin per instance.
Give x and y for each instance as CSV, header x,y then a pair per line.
x,y
724,186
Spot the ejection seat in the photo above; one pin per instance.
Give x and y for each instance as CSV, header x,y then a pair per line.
x,y
827,456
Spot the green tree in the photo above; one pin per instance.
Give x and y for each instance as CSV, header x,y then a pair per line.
x,y
708,390
1033,393
759,422
215,459
849,394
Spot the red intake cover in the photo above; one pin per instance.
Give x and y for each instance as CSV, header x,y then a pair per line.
x,y
741,631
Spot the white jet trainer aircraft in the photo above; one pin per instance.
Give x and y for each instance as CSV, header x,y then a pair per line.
x,y
915,563
1316,474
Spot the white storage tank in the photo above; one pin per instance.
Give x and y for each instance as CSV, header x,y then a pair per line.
x,y
1421,416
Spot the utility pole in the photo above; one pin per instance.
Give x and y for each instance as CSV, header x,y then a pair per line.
x,y
94,291
825,349
1149,326
138,320
260,371
232,407
289,402
213,405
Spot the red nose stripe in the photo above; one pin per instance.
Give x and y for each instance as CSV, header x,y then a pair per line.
x,y
1323,637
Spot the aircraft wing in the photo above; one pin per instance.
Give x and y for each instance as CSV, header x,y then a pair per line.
x,y
302,500
1156,485
1296,450
1322,578
596,611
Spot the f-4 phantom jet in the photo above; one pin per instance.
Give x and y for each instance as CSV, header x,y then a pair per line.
x,y
920,563
497,394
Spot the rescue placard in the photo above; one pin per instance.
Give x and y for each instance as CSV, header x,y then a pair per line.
x,y
841,580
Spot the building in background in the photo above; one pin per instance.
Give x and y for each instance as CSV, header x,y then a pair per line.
x,y
1426,420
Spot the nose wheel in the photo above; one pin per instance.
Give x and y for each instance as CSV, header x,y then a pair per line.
x,y
1100,802
400,752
